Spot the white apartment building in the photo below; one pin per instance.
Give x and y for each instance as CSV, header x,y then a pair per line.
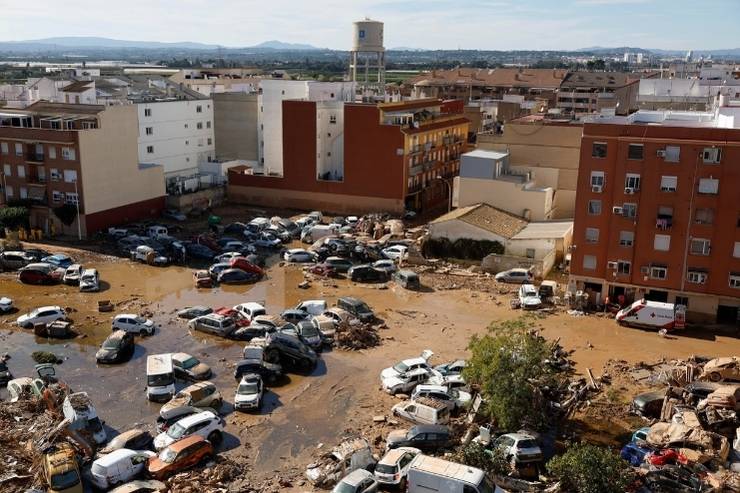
x,y
177,135
329,95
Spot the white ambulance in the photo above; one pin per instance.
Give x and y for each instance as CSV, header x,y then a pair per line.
x,y
653,315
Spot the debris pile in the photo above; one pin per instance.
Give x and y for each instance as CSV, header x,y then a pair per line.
x,y
357,336
221,475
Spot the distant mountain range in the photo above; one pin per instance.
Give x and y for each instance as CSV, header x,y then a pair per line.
x,y
92,42
730,52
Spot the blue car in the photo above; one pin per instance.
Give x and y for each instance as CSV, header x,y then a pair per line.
x,y
58,260
634,454
640,435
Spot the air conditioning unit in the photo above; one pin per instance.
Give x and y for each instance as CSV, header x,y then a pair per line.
x,y
629,191
596,188
617,210
660,153
612,265
712,154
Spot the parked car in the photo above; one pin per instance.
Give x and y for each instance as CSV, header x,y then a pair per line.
x,y
340,316
339,264
289,350
89,281
133,323
225,258
252,330
427,438
235,229
41,315
244,264
237,276
346,457
216,269
721,369
269,372
14,260
134,439
367,273
198,251
528,297
249,392
516,276
309,334
293,316
396,252
452,368
58,260
213,323
299,255
192,312
267,240
407,382
387,265
250,309
180,456
356,308
407,365
358,481
648,404
312,307
521,447
60,469
170,416
423,410
453,399
118,466
35,254
80,412
72,274
40,273
205,424
392,469
189,367
634,453
6,304
200,395
118,347
202,279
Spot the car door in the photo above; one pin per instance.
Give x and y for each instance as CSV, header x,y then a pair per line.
x,y
420,441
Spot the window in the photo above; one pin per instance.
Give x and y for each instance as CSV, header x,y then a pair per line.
x,y
662,243
734,280
700,246
658,272
208,124
664,220
709,185
149,130
672,154
597,180
635,151
629,210
7,170
594,207
150,149
71,198
712,155
668,183
24,193
592,235
68,153
199,109
199,125
333,119
210,141
21,171
70,175
55,174
52,152
598,150
696,277
530,253
626,238
682,300
631,183
3,147
736,250
589,262
624,267
8,191
147,112
704,216
57,196
18,149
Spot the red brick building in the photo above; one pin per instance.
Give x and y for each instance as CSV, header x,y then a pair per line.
x,y
387,157
657,211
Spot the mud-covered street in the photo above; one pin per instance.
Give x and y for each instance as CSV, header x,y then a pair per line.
x,y
341,395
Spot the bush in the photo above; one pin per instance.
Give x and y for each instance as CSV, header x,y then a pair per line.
x,y
586,468
14,217
462,248
491,461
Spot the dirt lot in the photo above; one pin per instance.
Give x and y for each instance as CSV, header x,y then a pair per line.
x,y
342,395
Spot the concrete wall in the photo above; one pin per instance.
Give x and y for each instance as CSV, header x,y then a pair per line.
x,y
506,195
235,126
495,263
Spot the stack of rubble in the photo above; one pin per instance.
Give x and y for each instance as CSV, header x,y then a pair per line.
x,y
223,475
357,336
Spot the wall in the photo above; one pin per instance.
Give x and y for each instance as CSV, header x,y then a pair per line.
x,y
495,263
506,195
179,149
235,126
456,229
270,120
330,140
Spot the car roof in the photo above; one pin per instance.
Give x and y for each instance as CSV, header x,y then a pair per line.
x,y
126,315
109,459
89,272
520,436
413,361
356,477
393,456
181,356
250,304
438,388
429,429
196,418
249,378
48,307
197,386
118,334
187,441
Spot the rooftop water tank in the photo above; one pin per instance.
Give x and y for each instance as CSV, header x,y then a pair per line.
x,y
368,36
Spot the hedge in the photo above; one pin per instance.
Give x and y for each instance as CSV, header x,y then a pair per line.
x,y
462,248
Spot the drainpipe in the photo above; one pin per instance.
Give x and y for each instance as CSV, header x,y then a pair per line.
x,y
684,270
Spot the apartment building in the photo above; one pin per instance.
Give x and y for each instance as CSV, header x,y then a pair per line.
x,y
356,157
657,214
211,81
591,92
54,154
235,125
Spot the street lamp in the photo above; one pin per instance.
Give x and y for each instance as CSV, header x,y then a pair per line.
x,y
449,191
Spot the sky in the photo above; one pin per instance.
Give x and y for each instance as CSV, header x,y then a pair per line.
x,y
428,24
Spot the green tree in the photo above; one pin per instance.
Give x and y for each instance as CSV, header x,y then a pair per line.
x,y
510,365
14,217
66,213
586,468
475,455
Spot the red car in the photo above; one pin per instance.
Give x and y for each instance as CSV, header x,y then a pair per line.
x,y
323,270
40,273
242,263
231,313
665,456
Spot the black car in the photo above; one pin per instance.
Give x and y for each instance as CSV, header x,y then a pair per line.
x,y
251,331
673,478
227,239
5,375
339,264
192,312
199,251
270,372
367,273
356,307
36,254
237,276
427,438
290,351
236,229
118,347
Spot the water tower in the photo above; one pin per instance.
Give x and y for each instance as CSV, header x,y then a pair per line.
x,y
367,57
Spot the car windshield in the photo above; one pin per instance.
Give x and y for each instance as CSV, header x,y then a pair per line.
x,y
160,380
248,388
309,330
64,480
401,367
140,320
189,363
176,431
385,468
363,308
167,455
88,277
112,343
34,313
344,488
526,443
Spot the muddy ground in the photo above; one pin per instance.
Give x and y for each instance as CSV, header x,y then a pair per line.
x,y
342,395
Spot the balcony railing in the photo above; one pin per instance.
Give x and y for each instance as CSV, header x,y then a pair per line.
x,y
664,223
415,170
35,157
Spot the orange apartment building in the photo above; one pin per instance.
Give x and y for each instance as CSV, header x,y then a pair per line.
x,y
657,210
357,157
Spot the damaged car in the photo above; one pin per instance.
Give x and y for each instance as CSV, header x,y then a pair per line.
x,y
346,457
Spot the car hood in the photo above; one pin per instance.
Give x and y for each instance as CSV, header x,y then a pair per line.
x,y
463,396
388,373
24,318
530,300
393,381
246,397
201,370
162,440
155,464
6,301
396,436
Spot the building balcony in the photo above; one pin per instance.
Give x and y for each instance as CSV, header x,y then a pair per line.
x,y
664,223
34,157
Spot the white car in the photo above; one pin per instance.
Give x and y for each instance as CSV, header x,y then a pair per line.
x,y
392,469
516,275
452,398
118,467
205,424
299,255
249,393
90,280
225,258
312,307
528,297
395,252
129,322
387,265
6,305
521,447
72,274
407,365
250,310
406,382
42,315
358,481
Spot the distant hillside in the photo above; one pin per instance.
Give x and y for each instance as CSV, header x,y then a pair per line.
x,y
279,45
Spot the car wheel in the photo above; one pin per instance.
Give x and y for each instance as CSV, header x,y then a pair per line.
x,y
27,325
143,332
272,356
217,404
715,376
215,437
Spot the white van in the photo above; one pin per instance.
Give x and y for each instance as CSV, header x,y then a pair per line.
x,y
653,315
155,232
315,233
423,411
79,410
118,467
430,474
160,377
